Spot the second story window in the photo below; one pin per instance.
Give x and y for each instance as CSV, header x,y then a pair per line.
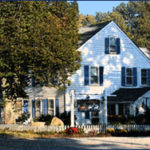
x,y
144,76
112,45
129,76
94,75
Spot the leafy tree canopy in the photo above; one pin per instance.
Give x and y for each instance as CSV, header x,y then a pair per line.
x,y
37,39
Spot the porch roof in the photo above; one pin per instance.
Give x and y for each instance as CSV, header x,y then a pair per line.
x,y
127,95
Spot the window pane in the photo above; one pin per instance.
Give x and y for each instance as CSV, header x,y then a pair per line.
x,y
112,41
144,76
129,72
94,71
94,79
129,80
144,72
112,44
144,80
94,75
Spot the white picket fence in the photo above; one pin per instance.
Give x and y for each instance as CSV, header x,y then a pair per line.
x,y
86,128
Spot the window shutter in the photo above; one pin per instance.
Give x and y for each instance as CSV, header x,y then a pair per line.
x,y
45,106
33,108
148,80
86,75
123,78
87,115
134,76
118,45
101,70
106,45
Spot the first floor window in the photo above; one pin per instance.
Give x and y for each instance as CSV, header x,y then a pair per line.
x,y
144,77
94,75
25,106
129,76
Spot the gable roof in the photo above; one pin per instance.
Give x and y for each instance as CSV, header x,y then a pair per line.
x,y
127,94
86,33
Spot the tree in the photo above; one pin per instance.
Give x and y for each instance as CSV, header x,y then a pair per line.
x,y
38,39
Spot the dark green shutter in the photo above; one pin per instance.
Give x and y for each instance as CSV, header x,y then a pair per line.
x,y
134,76
86,75
123,78
101,72
106,45
118,45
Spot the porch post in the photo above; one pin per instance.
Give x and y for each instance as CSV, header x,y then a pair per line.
x,y
116,108
72,92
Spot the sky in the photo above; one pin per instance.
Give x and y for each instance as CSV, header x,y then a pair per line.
x,y
91,7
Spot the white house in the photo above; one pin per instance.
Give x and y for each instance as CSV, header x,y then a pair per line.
x,y
114,73
114,78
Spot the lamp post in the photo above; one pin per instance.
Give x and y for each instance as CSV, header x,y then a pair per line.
x,y
72,95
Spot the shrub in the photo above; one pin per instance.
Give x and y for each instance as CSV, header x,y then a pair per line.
x,y
23,117
81,130
111,131
65,117
134,132
121,132
72,131
44,118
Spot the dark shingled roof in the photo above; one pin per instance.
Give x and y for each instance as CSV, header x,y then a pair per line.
x,y
86,33
127,94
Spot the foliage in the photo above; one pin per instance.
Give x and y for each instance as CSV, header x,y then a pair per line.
x,y
23,117
65,117
44,118
120,132
110,130
37,40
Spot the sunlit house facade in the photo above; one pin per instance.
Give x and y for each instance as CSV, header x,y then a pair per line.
x,y
114,72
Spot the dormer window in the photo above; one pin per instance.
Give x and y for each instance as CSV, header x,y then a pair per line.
x,y
112,45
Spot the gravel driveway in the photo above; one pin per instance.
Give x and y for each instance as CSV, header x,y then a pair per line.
x,y
11,143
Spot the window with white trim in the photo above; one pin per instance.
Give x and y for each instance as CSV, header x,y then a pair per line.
x,y
94,75
144,76
112,45
129,76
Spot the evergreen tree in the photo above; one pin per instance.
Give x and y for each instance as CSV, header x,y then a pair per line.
x,y
37,39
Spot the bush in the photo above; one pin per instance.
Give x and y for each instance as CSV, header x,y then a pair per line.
x,y
65,117
121,132
44,118
72,131
81,130
134,133
23,117
111,130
